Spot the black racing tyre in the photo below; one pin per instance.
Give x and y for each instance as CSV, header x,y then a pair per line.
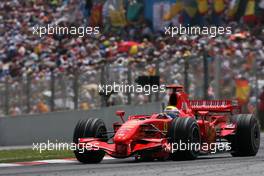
x,y
89,128
246,140
184,131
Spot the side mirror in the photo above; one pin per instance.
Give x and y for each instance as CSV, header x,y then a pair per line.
x,y
121,115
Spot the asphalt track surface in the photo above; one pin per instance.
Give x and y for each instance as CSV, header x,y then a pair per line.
x,y
219,164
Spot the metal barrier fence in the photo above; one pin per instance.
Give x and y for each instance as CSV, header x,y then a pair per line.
x,y
202,76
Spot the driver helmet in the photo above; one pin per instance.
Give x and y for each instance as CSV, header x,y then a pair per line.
x,y
172,111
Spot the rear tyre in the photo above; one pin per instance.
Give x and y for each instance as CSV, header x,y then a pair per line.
x,y
246,141
184,132
89,128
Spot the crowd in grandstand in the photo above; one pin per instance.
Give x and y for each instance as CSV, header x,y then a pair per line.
x,y
23,54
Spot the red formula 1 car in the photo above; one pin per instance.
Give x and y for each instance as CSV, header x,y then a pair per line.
x,y
183,131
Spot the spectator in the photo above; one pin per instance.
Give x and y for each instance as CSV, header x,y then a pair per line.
x,y
42,107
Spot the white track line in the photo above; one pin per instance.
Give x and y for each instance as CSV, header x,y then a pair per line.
x,y
42,162
9,165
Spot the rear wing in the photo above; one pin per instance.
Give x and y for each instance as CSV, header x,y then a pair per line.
x,y
215,106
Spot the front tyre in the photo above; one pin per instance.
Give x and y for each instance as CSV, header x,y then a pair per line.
x,y
246,140
184,132
89,128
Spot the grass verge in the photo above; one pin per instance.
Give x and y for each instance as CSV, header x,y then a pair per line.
x,y
8,156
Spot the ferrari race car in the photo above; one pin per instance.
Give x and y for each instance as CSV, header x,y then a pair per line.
x,y
193,125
